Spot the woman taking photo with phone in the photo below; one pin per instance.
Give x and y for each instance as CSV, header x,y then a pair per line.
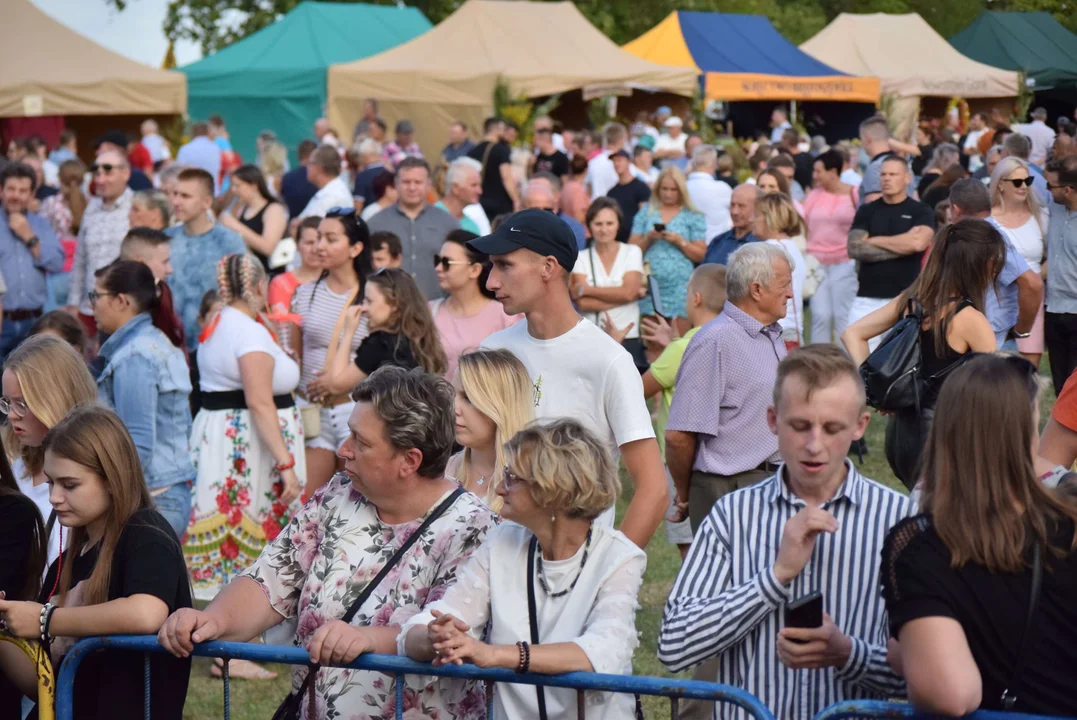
x,y
44,379
122,573
979,587
494,400
608,277
470,313
343,253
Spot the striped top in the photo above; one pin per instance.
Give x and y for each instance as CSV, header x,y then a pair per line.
x,y
727,602
319,319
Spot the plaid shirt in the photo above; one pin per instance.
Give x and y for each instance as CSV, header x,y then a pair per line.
x,y
100,235
394,153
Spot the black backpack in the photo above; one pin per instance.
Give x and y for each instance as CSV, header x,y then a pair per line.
x,y
892,373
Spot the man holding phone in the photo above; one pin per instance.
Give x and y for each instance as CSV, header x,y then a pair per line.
x,y
815,526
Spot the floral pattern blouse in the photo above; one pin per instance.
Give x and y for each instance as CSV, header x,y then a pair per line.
x,y
671,268
321,562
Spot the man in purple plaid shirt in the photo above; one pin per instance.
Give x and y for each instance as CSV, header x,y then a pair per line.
x,y
402,145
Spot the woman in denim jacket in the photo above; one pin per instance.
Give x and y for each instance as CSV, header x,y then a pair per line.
x,y
147,382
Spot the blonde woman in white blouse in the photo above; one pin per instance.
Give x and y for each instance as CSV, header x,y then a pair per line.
x,y
558,478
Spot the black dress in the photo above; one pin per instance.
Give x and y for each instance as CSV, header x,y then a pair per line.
x,y
256,225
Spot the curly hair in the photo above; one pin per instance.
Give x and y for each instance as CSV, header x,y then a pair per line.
x,y
410,320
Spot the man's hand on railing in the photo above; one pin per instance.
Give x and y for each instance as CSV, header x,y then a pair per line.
x,y
338,643
185,628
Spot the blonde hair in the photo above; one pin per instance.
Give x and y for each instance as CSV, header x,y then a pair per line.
x,y
566,466
497,384
274,156
53,379
674,173
1004,167
780,214
94,437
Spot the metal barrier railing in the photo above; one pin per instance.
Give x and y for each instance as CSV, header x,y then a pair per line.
x,y
39,656
856,709
398,667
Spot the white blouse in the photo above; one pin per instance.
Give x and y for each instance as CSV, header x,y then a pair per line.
x,y
599,614
629,259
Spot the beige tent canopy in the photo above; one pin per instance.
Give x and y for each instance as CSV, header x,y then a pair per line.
x,y
449,73
50,69
910,59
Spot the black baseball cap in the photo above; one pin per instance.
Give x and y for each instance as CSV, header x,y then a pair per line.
x,y
114,137
621,153
538,230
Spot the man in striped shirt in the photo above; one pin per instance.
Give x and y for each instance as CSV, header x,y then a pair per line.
x,y
816,525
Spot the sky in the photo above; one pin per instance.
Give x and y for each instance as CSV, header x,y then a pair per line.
x,y
135,32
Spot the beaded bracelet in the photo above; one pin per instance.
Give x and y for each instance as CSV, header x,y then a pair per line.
x,y
525,657
46,617
281,467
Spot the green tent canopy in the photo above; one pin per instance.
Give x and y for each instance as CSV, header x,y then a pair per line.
x,y
1032,42
275,79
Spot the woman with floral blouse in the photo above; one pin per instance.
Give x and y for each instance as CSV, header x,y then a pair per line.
x,y
401,436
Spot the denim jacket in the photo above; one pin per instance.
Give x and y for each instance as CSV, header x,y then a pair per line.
x,y
146,381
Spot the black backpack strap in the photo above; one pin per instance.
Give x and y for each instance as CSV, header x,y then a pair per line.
x,y
532,616
1009,695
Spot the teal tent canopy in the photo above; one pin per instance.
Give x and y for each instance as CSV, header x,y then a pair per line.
x,y
275,79
1032,42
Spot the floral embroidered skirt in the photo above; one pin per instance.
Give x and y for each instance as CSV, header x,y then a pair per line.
x,y
236,508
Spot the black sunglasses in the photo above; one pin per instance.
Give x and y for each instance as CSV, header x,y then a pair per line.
x,y
1057,187
106,168
445,263
1018,182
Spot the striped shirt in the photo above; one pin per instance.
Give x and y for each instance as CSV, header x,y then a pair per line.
x,y
727,602
319,319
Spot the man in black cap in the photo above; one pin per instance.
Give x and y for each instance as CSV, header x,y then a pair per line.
x,y
578,370
117,141
403,146
630,192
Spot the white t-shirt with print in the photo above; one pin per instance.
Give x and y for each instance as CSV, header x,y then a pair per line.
x,y
584,375
629,259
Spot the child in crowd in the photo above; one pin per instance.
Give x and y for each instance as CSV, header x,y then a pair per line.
x,y
387,250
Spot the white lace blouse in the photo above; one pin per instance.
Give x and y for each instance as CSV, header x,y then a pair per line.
x,y
599,614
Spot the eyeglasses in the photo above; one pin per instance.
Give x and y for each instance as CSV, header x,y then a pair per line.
x,y
510,480
105,168
1018,182
1057,187
543,131
94,296
445,263
14,408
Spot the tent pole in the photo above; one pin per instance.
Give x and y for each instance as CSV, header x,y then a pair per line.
x,y
793,111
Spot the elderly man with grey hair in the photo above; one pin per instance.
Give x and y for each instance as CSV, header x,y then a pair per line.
x,y
463,188
710,195
338,551
1020,146
717,439
544,192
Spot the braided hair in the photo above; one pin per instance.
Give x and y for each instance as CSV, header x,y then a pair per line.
x,y
238,277
358,233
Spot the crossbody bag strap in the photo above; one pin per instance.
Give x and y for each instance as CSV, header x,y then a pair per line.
x,y
532,617
1009,695
386,569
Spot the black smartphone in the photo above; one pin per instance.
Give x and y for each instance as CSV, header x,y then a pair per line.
x,y
656,297
659,227
805,612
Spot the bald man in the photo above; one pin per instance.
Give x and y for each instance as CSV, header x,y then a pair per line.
x,y
742,213
544,193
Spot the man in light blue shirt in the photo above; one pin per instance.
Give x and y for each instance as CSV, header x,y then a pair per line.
x,y
1012,308
201,152
28,249
1020,146
197,246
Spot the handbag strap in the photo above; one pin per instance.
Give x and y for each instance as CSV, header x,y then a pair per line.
x,y
532,616
1009,695
386,569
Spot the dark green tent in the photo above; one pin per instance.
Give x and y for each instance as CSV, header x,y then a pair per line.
x,y
275,78
1032,42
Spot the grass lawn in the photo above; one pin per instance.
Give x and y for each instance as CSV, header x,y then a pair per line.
x,y
258,700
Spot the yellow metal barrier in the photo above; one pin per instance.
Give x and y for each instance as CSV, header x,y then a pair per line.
x,y
46,681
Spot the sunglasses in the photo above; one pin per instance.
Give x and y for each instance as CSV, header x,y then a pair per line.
x,y
1057,187
445,263
1018,182
105,168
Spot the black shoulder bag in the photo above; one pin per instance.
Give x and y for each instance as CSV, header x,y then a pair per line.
x,y
290,708
891,373
1009,695
532,617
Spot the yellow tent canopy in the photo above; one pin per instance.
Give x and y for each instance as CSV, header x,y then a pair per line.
x,y
449,73
50,69
743,57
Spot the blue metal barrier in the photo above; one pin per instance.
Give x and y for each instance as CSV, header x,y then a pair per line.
x,y
855,709
399,666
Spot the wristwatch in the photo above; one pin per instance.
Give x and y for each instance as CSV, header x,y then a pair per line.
x,y
32,242
1021,335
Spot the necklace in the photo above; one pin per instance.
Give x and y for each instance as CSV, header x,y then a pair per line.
x,y
481,480
542,575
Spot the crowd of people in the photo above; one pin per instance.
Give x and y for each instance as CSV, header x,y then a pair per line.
x,y
375,403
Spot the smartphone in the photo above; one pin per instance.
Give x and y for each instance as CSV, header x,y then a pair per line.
x,y
656,297
659,227
805,612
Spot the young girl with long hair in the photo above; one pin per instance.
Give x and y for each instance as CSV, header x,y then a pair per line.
x,y
494,400
343,253
147,382
259,218
122,573
958,579
965,260
44,379
402,332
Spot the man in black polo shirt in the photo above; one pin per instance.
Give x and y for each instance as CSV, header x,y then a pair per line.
x,y
500,195
888,239
630,192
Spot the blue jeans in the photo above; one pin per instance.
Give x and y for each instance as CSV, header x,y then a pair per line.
x,y
175,505
12,333
1009,346
58,285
